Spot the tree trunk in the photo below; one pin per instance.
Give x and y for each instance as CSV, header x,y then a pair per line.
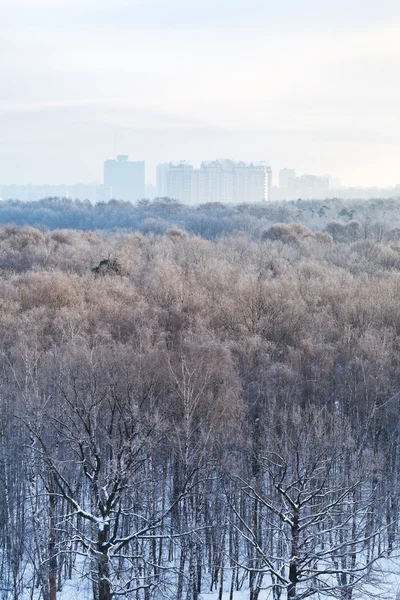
x,y
52,544
103,565
293,568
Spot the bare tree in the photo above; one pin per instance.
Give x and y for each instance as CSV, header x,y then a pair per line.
x,y
98,451
316,501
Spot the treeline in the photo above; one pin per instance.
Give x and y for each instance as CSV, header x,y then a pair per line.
x,y
377,220
181,415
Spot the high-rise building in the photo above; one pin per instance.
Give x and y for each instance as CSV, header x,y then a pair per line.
x,y
179,181
286,176
220,180
229,181
252,182
211,170
125,177
162,180
198,192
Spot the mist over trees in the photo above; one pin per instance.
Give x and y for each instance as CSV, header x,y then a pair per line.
x,y
346,221
182,415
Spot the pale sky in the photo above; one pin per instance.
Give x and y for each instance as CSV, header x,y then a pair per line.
x,y
308,84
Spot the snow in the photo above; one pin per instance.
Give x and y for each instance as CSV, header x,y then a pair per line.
x,y
387,586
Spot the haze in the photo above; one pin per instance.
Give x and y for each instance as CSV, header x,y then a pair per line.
x,y
307,84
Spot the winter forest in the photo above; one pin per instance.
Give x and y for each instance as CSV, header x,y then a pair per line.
x,y
199,405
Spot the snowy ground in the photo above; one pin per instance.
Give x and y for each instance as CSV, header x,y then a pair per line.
x,y
387,587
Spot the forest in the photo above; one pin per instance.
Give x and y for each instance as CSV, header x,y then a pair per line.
x,y
346,220
192,414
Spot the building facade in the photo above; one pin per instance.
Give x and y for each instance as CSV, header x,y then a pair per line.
x,y
223,181
125,177
286,177
252,182
179,181
162,180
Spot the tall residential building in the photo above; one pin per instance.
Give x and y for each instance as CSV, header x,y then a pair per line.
x,y
220,180
304,186
179,181
198,191
286,176
253,182
211,173
162,180
125,177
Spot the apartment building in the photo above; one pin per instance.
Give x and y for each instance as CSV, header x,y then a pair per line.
x,y
253,182
162,180
221,180
179,181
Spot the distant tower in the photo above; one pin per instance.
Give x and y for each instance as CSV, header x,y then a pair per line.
x,y
286,178
253,182
179,181
229,181
162,180
221,180
125,177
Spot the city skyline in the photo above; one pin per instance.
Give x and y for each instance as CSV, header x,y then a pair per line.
x,y
151,180
217,180
302,83
151,172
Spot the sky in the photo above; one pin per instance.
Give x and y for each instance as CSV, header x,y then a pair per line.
x,y
308,84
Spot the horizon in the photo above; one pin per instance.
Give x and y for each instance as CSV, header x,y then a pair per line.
x,y
152,181
295,84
